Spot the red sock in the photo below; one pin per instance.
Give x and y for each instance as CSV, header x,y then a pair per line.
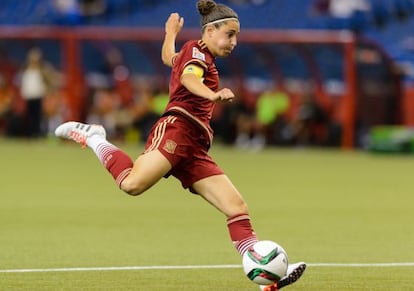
x,y
241,232
118,163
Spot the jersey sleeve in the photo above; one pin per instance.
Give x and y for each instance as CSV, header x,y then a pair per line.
x,y
190,54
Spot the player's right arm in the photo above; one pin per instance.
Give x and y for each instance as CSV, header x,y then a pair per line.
x,y
173,26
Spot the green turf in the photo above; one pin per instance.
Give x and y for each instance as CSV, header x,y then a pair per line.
x,y
60,209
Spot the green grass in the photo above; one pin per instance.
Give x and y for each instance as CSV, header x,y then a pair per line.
x,y
60,209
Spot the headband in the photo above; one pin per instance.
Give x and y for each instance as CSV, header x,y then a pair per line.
x,y
220,20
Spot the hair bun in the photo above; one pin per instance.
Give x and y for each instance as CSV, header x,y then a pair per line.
x,y
205,6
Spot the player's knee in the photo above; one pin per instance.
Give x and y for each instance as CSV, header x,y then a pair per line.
x,y
133,188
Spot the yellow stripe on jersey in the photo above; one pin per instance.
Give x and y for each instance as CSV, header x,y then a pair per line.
x,y
193,69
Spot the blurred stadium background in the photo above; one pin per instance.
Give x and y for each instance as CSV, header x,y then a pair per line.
x,y
307,72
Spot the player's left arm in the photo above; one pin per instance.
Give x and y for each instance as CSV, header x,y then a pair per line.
x,y
173,26
192,80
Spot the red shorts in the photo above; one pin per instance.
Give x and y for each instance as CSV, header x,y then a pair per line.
x,y
186,146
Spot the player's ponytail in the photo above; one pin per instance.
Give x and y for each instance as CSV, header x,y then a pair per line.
x,y
214,13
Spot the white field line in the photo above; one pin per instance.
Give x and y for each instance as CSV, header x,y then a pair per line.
x,y
139,268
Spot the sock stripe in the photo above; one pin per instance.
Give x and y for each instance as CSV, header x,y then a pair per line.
x,y
104,152
116,162
122,176
237,218
244,245
241,232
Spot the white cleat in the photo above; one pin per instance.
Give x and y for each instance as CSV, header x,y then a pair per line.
x,y
79,132
294,272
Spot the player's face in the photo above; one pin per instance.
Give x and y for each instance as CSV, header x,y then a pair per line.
x,y
224,38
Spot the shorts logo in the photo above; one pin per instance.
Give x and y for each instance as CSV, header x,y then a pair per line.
x,y
198,55
170,146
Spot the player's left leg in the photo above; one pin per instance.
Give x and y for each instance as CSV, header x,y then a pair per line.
x,y
294,272
219,191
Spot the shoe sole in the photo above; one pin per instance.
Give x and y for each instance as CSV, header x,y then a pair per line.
x,y
293,277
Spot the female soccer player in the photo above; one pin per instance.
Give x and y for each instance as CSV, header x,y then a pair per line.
x,y
179,141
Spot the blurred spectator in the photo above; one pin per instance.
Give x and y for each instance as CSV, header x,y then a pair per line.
x,y
8,67
320,7
112,71
120,75
346,14
92,7
270,112
261,122
347,8
148,106
159,102
223,120
6,104
105,110
310,123
75,12
55,109
66,12
37,78
248,130
111,94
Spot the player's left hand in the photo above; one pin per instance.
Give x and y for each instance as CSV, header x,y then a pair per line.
x,y
225,95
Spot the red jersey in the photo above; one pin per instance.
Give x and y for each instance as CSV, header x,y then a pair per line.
x,y
198,109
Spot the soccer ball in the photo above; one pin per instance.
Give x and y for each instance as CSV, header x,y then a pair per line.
x,y
265,262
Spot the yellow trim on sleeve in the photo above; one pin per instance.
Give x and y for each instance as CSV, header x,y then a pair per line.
x,y
193,69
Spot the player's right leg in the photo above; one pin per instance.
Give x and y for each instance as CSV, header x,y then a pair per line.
x,y
132,178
